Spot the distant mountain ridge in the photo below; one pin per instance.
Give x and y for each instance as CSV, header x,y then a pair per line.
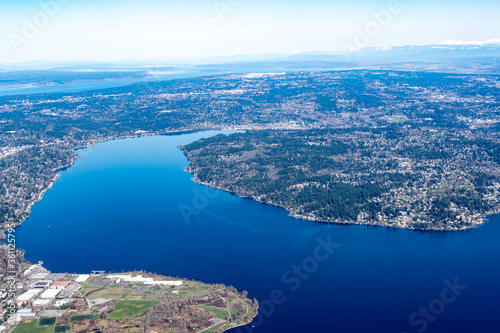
x,y
452,51
484,53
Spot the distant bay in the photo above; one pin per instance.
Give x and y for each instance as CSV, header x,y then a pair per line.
x,y
72,88
128,204
26,89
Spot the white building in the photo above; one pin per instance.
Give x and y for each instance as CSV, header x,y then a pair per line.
x,y
30,269
82,278
61,302
26,313
42,302
39,276
141,279
28,296
50,293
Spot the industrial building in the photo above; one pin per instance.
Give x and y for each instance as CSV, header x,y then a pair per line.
x,y
39,276
141,279
82,278
60,284
50,293
28,296
26,313
42,302
42,284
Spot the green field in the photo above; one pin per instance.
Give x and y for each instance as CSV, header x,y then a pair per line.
x,y
50,321
84,317
87,288
62,328
125,309
219,312
31,327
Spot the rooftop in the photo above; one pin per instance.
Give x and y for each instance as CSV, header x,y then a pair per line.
x,y
60,283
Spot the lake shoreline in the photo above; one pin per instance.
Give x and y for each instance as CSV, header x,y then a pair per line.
x,y
56,172
195,179
131,191
74,151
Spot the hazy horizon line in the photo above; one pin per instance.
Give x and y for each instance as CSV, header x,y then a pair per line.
x,y
192,59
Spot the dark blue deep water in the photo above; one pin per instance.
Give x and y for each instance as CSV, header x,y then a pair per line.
x,y
117,209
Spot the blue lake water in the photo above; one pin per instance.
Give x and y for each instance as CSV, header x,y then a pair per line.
x,y
118,209
25,89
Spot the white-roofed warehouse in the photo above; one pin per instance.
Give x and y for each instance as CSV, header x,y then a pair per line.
x,y
50,293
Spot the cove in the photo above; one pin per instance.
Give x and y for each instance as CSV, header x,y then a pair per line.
x,y
118,209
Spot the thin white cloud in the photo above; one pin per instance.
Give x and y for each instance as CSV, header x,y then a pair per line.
x,y
478,43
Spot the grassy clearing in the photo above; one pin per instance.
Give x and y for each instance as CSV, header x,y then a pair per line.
x,y
115,293
219,312
194,289
110,325
237,307
30,326
125,309
84,317
86,288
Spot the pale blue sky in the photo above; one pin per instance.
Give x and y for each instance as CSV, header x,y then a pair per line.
x,y
152,29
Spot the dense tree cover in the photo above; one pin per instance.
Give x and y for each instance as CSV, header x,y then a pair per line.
x,y
366,175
